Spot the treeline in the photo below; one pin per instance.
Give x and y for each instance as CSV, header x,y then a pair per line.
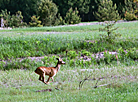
x,y
59,12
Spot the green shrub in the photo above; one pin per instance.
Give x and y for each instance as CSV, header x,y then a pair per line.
x,y
13,20
6,16
130,16
72,16
132,53
110,35
129,7
17,20
84,52
47,10
107,11
72,54
59,20
35,22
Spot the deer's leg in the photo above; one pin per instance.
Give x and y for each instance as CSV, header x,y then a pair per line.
x,y
47,82
43,78
52,79
40,78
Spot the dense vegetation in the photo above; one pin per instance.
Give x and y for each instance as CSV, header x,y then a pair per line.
x,y
71,45
101,60
58,12
23,50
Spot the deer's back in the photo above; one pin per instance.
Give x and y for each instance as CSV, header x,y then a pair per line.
x,y
50,71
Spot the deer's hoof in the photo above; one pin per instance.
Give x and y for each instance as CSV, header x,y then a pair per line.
x,y
47,83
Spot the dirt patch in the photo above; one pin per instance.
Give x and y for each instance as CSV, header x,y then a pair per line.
x,y
44,90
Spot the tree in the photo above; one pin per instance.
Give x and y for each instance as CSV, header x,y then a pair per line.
x,y
14,20
65,5
110,34
35,22
72,17
27,7
47,10
107,11
130,10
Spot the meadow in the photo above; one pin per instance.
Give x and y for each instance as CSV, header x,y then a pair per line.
x,y
22,50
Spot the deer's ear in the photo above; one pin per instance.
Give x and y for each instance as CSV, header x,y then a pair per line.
x,y
57,58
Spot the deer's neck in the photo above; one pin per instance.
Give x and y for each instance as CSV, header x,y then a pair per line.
x,y
58,66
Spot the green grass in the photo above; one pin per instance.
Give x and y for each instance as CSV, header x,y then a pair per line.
x,y
21,85
22,43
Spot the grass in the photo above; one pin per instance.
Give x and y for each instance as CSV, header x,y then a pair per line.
x,y
22,43
21,83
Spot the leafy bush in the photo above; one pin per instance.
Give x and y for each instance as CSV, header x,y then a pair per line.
x,y
111,35
107,11
47,10
132,53
13,20
130,16
72,54
17,20
72,16
129,6
6,16
84,52
59,20
35,22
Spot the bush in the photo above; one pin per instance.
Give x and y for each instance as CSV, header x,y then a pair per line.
x,y
59,20
47,10
35,22
129,7
130,16
72,17
13,20
106,11
111,35
17,20
72,54
6,16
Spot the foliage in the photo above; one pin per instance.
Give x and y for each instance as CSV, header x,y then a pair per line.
x,y
130,16
130,10
72,17
72,54
6,16
86,8
35,22
129,6
59,20
27,7
17,20
111,35
107,11
85,52
47,10
13,20
82,5
23,43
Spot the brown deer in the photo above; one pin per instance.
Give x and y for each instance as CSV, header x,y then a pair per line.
x,y
49,71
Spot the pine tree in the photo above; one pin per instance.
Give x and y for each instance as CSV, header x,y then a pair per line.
x,y
107,11
72,17
47,10
130,10
35,22
129,6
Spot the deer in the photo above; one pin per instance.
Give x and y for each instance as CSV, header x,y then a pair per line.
x,y
49,71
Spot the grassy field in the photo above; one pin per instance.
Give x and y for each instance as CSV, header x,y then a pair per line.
x,y
116,81
23,85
